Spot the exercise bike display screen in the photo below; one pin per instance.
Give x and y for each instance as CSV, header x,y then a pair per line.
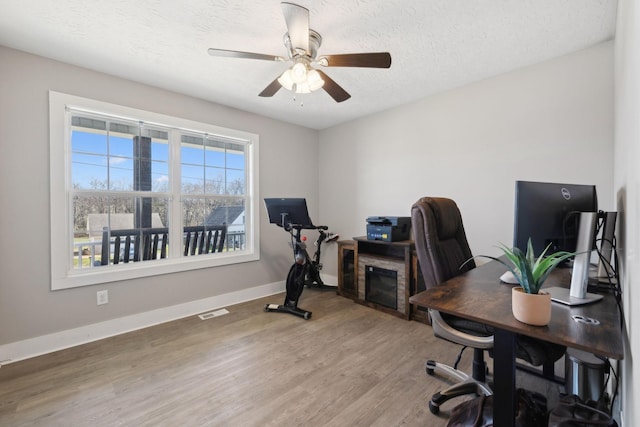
x,y
287,211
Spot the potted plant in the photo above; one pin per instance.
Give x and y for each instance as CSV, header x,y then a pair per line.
x,y
529,304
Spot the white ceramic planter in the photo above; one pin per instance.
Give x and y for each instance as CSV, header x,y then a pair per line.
x,y
532,309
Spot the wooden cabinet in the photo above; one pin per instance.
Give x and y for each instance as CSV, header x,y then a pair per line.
x,y
346,269
381,275
420,314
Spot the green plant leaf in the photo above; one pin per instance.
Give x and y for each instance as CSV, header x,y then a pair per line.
x,y
531,272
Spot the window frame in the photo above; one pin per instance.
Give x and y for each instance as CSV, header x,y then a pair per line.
x,y
63,276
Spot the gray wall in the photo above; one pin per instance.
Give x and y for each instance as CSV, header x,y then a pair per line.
x,y
552,121
27,306
548,122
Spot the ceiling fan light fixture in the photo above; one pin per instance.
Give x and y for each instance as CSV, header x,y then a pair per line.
x,y
286,80
299,73
314,80
291,80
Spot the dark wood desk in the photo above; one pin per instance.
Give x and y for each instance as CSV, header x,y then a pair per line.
x,y
478,295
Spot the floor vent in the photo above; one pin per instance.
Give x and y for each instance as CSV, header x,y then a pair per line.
x,y
209,315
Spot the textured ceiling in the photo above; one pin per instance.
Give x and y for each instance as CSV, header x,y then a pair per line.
x,y
435,45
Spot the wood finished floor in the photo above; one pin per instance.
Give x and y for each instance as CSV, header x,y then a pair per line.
x,y
348,366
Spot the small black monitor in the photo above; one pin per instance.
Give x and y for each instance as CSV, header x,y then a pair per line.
x,y
288,212
549,213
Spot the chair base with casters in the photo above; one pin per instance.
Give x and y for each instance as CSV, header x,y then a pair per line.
x,y
466,384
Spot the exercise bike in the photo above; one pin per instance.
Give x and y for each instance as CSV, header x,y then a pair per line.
x,y
305,270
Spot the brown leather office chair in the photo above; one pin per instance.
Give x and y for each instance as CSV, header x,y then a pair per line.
x,y
442,247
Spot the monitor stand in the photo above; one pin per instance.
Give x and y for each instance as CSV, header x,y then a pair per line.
x,y
578,294
562,296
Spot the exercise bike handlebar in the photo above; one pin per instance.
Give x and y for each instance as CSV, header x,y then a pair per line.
x,y
308,227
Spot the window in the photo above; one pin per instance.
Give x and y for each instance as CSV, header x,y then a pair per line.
x,y
146,194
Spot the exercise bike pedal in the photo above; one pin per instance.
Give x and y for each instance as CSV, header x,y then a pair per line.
x,y
331,237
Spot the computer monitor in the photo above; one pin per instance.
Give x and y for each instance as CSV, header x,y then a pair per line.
x,y
288,212
549,213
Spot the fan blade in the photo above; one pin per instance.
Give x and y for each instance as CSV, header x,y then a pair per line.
x,y
245,55
333,89
297,19
368,60
271,90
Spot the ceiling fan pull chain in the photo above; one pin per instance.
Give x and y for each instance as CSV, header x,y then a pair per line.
x,y
301,97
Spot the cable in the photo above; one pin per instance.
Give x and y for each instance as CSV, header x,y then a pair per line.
x,y
611,370
455,365
572,215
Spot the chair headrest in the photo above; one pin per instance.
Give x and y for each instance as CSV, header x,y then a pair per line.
x,y
446,214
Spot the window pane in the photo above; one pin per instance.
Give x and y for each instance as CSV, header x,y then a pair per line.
x,y
88,158
235,182
231,214
217,212
214,180
192,155
192,161
160,176
159,157
212,166
97,216
160,150
192,179
88,171
214,157
120,173
85,141
235,160
91,215
193,211
120,146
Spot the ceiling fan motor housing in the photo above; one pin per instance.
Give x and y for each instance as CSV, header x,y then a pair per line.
x,y
315,41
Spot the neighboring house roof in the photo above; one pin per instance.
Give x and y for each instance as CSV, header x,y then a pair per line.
x,y
224,215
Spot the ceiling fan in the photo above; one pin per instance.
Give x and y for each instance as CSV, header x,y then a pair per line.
x,y
302,45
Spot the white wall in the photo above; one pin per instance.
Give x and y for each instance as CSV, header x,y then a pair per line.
x,y
549,122
627,180
28,308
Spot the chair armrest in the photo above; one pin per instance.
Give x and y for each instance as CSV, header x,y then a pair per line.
x,y
443,330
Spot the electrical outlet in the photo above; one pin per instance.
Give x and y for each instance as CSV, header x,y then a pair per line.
x,y
102,297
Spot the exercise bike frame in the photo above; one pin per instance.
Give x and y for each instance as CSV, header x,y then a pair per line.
x,y
304,271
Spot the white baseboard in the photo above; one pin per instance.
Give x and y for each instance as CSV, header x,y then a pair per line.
x,y
37,346
330,280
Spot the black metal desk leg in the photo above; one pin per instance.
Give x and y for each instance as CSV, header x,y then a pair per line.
x,y
504,378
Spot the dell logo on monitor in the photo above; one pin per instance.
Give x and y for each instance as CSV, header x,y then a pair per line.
x,y
565,193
